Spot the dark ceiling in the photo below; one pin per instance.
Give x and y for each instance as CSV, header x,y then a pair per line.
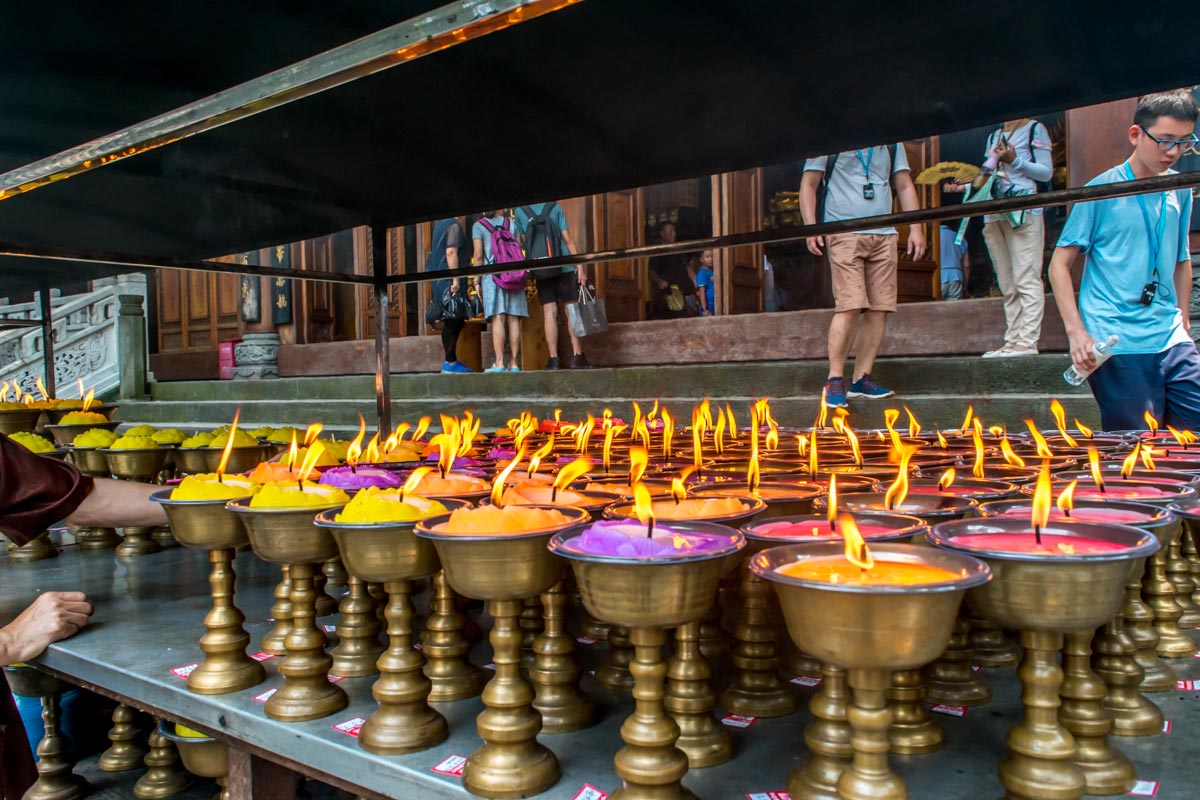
x,y
604,95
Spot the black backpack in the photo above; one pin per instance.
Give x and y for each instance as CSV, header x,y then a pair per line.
x,y
830,163
543,239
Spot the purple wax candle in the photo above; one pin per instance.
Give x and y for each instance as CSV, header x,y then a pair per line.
x,y
627,539
360,478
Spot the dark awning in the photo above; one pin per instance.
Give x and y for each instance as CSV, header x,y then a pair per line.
x,y
602,95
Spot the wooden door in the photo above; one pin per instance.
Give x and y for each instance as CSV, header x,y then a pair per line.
x,y
196,310
396,311
617,223
171,287
738,208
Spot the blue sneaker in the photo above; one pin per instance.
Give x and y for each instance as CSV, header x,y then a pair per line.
x,y
458,366
448,366
514,369
835,393
867,387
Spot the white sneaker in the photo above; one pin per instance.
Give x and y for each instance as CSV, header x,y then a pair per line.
x,y
997,353
1010,352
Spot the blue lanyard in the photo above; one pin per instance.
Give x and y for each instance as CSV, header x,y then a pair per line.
x,y
1156,238
866,163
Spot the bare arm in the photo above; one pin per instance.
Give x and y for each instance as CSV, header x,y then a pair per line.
x,y
452,263
809,183
53,616
1183,290
119,504
477,257
569,243
1080,341
906,191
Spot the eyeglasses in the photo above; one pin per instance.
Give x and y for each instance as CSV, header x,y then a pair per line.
x,y
1170,144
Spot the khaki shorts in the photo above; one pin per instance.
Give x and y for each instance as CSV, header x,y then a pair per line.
x,y
864,270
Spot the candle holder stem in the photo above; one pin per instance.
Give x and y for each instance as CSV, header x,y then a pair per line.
x,y
1192,556
1138,617
689,699
991,647
1159,593
36,549
797,662
281,612
913,731
869,777
137,542
97,538
226,667
404,722
358,633
1113,661
335,573
163,537
614,672
951,679
1105,770
511,763
650,764
756,689
1040,765
306,692
453,676
530,622
555,672
324,604
827,738
56,778
593,628
714,641
125,752
1179,572
164,775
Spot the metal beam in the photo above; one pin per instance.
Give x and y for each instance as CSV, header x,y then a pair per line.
x,y
383,350
441,29
47,338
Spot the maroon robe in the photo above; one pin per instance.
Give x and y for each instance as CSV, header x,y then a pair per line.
x,y
35,491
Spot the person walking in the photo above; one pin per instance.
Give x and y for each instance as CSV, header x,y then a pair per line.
x,y
855,184
544,234
503,308
449,239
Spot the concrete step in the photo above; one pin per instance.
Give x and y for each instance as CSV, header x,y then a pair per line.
x,y
938,390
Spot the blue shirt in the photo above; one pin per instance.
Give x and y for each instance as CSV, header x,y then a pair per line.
x,y
1119,247
704,280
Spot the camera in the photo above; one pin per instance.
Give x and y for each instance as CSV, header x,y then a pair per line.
x,y
1148,293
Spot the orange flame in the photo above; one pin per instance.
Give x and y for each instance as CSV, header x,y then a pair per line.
x,y
733,431
839,420
771,440
414,480
639,457
914,427
557,416
832,509
824,410
354,450
854,448
668,432
752,468
890,415
79,382
1043,449
980,469
1040,513
586,433
813,456
468,431
942,443
1009,456
41,387
502,477
643,433
1066,500
637,419
719,434
947,479
898,491
609,435
1151,422
372,451
422,427
228,451
653,412
1060,418
1084,429
801,444
966,423
4,392
857,552
1094,462
1130,462
678,490
89,400
643,506
697,438
567,475
1177,435
447,445
535,460
1148,457
293,453
997,430
310,460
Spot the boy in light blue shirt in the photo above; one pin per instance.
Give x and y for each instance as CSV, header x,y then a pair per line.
x,y
1137,279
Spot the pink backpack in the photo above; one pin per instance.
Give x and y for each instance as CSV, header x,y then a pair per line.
x,y
505,250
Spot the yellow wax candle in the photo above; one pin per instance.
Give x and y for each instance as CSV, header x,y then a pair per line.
x,y
498,521
210,486
240,439
293,495
134,443
169,436
202,439
96,437
374,504
82,418
141,430
33,442
836,569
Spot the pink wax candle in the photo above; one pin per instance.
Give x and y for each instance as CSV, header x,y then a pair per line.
x,y
817,529
1119,516
1118,490
954,489
1027,543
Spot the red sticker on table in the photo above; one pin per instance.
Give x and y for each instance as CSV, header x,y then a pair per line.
x,y
738,721
350,726
451,765
1144,789
586,640
262,656
589,792
1186,686
1167,726
950,711
264,696
804,680
768,796
184,671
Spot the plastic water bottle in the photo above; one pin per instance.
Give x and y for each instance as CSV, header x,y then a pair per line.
x,y
1103,351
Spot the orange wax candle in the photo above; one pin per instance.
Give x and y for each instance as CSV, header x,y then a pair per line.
x,y
837,569
273,472
433,484
540,494
500,521
698,508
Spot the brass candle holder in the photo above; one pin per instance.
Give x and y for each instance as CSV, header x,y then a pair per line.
x,y
281,612
989,644
503,569
358,629
64,435
202,756
241,459
56,778
648,595
1046,596
870,631
125,752
1083,713
164,775
289,536
555,671
38,548
135,465
21,420
193,461
389,553
614,673
689,700
450,671
1182,560
208,525
827,739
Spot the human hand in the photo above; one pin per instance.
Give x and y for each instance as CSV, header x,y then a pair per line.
x,y
1005,151
916,242
454,286
815,243
954,187
581,275
1083,353
51,617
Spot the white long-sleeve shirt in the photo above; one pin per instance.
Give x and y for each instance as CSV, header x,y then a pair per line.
x,y
1034,161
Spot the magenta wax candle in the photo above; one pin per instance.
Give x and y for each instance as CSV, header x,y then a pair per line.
x,y
1027,543
628,539
1116,489
816,529
954,490
1085,513
360,478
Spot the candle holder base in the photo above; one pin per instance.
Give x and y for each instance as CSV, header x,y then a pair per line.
x,y
614,672
594,628
96,538
126,752
555,671
827,738
335,573
404,722
36,549
164,776
689,700
137,542
991,647
913,732
1105,770
358,630
56,778
511,763
281,612
445,648
1159,593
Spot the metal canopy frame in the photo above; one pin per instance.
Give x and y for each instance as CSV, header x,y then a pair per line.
x,y
439,30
